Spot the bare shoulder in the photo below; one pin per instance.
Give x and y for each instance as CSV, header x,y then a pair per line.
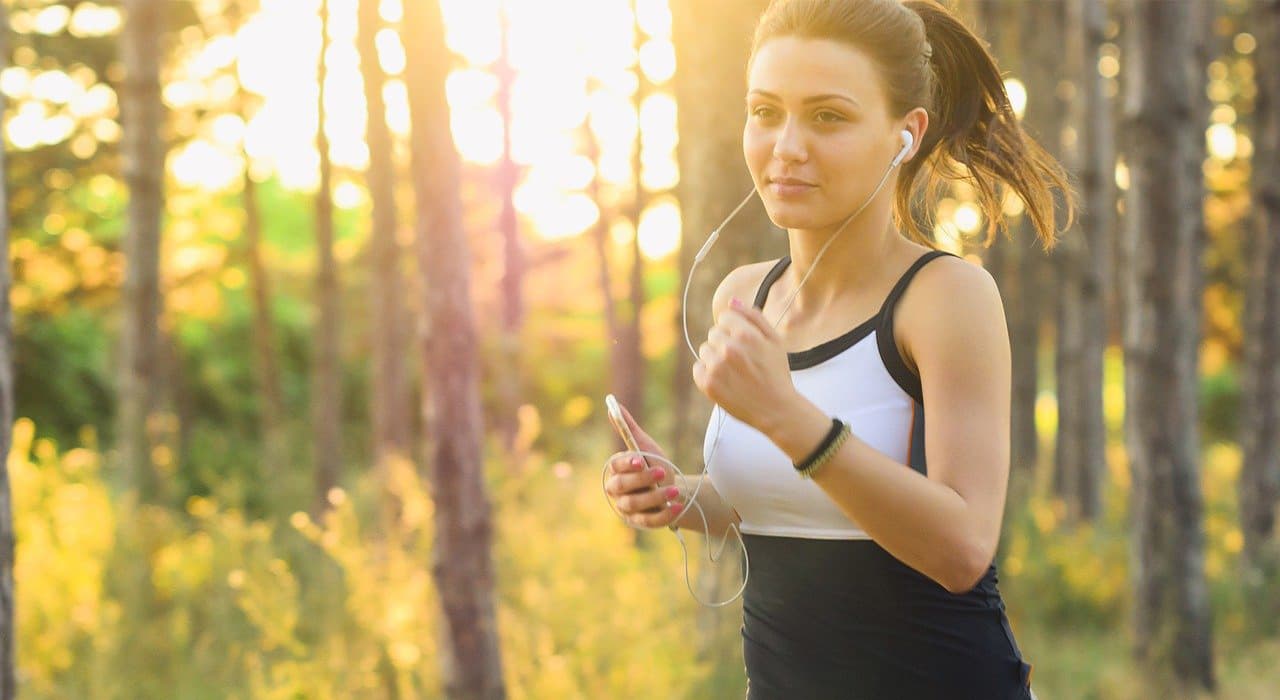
x,y
950,301
741,282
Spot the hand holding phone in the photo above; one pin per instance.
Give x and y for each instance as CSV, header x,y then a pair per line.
x,y
655,477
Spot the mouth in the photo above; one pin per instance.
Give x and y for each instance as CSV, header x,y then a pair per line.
x,y
790,181
789,187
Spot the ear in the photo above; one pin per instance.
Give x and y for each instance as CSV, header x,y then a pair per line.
x,y
917,123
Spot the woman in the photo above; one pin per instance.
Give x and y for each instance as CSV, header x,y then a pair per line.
x,y
865,465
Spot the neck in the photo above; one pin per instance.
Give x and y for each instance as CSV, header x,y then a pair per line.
x,y
853,263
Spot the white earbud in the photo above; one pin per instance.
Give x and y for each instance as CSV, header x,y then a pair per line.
x,y
907,141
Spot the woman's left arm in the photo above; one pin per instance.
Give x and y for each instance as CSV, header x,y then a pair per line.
x,y
945,525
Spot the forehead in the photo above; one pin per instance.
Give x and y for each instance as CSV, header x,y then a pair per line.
x,y
795,68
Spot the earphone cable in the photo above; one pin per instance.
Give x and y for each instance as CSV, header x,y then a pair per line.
x,y
714,557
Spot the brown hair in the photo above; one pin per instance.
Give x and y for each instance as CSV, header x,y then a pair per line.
x,y
928,58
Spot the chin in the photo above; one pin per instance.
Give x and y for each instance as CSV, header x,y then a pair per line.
x,y
792,216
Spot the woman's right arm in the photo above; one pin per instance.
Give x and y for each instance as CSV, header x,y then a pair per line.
x,y
640,494
719,514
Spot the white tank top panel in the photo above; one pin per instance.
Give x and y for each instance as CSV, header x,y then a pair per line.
x,y
857,377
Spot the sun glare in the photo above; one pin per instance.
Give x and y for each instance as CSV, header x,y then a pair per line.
x,y
660,229
565,80
1017,95
1221,140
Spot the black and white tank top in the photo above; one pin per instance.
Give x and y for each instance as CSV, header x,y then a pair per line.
x,y
858,377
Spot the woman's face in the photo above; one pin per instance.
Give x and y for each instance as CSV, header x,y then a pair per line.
x,y
818,135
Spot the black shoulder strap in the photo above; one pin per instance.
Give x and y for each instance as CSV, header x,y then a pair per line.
x,y
893,362
887,308
772,276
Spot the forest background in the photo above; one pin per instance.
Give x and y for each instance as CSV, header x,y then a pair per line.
x,y
314,412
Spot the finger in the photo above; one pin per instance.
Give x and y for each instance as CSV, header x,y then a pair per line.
x,y
616,485
618,463
650,519
662,518
638,503
651,495
737,336
629,483
647,501
635,427
702,379
622,488
753,316
739,324
624,462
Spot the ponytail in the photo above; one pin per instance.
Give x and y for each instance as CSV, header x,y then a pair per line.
x,y
975,136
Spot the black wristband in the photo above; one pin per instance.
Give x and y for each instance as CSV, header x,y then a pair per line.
x,y
832,434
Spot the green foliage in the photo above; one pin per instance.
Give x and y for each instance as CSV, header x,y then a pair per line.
x,y
62,376
1220,405
118,599
1072,582
66,293
145,601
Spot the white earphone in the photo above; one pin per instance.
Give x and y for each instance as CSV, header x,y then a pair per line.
x,y
907,142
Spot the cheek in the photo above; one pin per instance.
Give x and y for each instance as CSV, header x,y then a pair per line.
x,y
853,159
757,148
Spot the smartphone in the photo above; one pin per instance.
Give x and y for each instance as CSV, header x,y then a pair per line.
x,y
620,425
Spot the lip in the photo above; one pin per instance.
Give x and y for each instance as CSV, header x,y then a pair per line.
x,y
787,187
790,181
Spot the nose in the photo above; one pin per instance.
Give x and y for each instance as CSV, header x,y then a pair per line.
x,y
790,145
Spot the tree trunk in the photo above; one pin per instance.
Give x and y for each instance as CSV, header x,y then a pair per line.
x,y
1083,264
632,361
273,411
264,344
1027,263
142,153
712,42
462,562
1259,485
390,399
8,663
600,239
988,19
327,401
513,257
1162,300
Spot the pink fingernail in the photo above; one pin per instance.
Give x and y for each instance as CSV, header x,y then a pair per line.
x,y
735,303
635,461
659,473
677,507
672,492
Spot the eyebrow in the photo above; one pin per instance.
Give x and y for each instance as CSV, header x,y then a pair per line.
x,y
808,100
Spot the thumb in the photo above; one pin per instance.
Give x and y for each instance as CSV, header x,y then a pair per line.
x,y
641,435
755,317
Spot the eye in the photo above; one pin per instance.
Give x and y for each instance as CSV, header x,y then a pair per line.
x,y
764,112
829,116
